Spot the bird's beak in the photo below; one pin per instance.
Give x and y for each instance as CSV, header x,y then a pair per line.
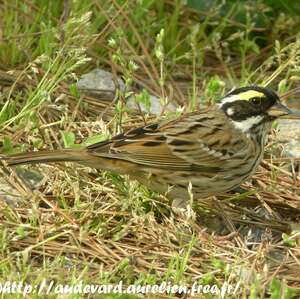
x,y
279,110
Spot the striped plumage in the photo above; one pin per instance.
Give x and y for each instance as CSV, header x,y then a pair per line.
x,y
214,149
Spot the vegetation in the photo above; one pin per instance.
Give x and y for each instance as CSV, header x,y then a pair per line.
x,y
68,224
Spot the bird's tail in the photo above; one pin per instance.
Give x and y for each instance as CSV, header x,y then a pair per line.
x,y
66,155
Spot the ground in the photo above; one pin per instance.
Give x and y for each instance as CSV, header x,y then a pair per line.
x,y
67,223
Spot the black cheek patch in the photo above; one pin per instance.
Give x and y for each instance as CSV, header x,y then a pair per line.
x,y
242,110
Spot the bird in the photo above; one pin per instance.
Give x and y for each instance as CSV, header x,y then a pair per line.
x,y
211,151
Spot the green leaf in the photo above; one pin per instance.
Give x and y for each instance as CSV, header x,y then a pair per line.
x,y
94,139
20,231
74,91
250,45
288,241
280,290
144,99
38,143
7,146
68,139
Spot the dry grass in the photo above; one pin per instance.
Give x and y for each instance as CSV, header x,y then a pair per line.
x,y
77,223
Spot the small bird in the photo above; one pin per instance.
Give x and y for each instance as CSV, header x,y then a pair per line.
x,y
214,149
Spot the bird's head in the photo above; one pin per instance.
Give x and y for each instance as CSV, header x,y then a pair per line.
x,y
251,106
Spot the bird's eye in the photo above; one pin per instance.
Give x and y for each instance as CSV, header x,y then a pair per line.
x,y
256,101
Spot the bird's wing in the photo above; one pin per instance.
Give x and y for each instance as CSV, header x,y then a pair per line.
x,y
207,138
199,141
144,145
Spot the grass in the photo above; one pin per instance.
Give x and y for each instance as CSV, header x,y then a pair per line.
x,y
68,224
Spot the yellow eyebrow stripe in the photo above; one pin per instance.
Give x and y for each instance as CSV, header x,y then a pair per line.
x,y
247,95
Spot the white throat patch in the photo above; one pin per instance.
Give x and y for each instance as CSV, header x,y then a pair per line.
x,y
247,124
